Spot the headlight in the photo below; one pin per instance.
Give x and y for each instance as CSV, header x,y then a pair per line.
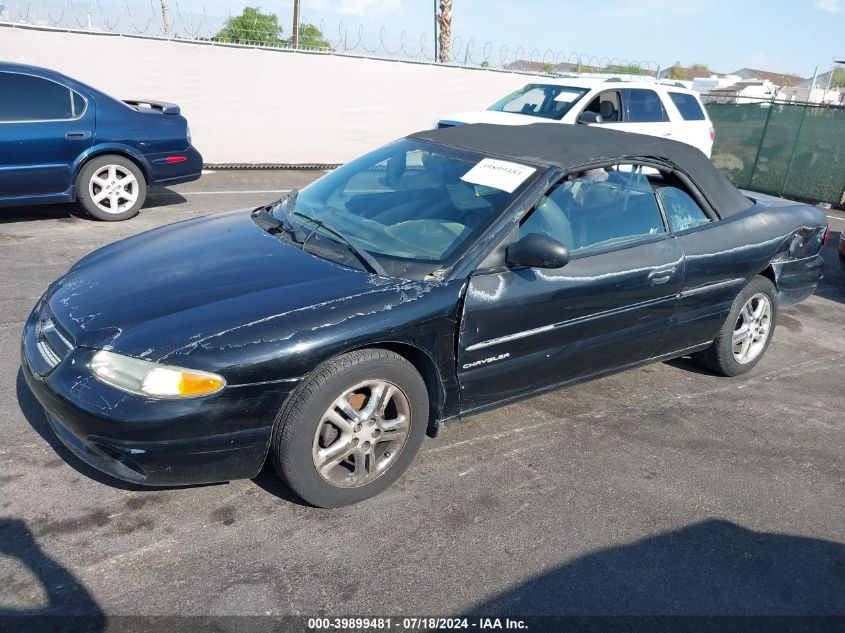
x,y
152,379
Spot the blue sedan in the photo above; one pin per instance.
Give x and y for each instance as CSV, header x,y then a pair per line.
x,y
62,141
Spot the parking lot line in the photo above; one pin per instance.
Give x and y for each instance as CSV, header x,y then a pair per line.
x,y
209,193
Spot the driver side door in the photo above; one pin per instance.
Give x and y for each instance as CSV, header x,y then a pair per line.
x,y
526,329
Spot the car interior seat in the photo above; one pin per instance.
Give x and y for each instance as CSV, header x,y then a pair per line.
x,y
608,111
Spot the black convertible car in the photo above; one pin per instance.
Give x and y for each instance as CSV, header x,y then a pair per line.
x,y
449,272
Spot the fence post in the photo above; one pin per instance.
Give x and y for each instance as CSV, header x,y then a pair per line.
x,y
794,148
762,138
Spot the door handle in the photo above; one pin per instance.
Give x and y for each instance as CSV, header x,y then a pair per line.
x,y
661,276
78,135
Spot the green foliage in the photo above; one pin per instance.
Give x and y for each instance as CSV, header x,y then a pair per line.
x,y
837,80
252,27
700,68
312,37
620,69
676,72
547,68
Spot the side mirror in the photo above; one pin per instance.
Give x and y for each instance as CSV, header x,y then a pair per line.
x,y
536,250
590,117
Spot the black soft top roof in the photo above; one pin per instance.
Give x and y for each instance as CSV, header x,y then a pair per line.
x,y
571,146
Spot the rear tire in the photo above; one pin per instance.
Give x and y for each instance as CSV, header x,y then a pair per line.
x,y
111,188
747,331
351,428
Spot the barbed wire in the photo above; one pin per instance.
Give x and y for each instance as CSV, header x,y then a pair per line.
x,y
136,19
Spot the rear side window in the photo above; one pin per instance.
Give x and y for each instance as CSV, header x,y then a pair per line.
x,y
682,212
644,106
688,106
28,98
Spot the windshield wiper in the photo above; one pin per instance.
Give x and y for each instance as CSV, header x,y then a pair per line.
x,y
269,222
362,254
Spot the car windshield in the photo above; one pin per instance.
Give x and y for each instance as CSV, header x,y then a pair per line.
x,y
414,206
541,100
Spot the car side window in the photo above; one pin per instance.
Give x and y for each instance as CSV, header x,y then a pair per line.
x,y
29,98
608,105
682,211
598,208
688,106
644,106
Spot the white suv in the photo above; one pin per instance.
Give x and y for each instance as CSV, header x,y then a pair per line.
x,y
660,109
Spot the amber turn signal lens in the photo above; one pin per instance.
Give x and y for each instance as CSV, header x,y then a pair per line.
x,y
198,384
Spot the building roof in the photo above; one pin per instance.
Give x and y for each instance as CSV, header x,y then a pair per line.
x,y
570,147
688,74
779,79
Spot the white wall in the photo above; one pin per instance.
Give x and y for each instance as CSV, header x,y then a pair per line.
x,y
248,105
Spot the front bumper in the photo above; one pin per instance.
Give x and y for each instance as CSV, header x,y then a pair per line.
x,y
155,442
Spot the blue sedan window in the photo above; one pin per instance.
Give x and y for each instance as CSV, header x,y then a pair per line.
x,y
28,98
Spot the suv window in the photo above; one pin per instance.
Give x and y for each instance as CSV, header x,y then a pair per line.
x,y
644,106
541,100
688,106
682,211
600,207
608,105
28,98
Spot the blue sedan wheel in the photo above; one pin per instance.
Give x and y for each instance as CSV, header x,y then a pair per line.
x,y
111,188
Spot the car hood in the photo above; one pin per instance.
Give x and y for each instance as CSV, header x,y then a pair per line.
x,y
152,294
490,116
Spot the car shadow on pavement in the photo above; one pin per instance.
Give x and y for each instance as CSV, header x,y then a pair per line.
x,y
711,568
70,212
270,481
687,363
61,603
34,414
61,212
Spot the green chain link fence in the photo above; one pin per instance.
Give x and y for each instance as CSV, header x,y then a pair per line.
x,y
785,149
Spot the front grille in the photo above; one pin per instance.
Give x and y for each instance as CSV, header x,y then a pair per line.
x,y
48,354
53,344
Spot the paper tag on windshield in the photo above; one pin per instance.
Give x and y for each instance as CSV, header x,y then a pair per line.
x,y
500,174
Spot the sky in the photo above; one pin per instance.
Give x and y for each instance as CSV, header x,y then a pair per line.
x,y
792,36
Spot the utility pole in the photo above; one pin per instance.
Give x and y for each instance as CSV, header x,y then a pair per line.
x,y
813,85
294,39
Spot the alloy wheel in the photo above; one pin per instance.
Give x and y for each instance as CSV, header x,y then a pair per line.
x,y
113,188
361,434
752,328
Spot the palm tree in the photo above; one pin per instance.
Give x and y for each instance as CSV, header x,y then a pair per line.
x,y
165,16
444,21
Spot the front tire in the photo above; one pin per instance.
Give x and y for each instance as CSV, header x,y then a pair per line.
x,y
746,333
111,188
351,429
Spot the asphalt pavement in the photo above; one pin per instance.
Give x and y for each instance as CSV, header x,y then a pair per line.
x,y
663,490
